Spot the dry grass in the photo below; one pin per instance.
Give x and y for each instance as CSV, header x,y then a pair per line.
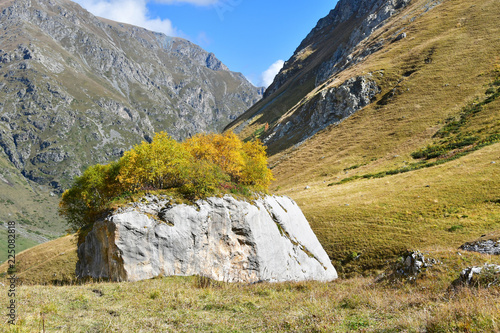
x,y
48,263
495,236
445,205
197,304
179,304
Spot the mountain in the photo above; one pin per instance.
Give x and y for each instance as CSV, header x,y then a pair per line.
x,y
76,90
383,126
338,42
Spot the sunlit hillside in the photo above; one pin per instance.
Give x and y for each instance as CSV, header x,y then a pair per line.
x,y
358,183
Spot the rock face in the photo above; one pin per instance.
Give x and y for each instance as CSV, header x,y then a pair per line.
x,y
329,107
487,246
77,90
350,22
225,239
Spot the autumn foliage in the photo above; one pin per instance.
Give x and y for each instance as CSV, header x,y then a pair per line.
x,y
204,165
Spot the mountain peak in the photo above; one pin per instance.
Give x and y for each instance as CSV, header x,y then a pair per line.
x,y
336,35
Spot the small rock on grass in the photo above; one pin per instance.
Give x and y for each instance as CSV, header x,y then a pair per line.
x,y
479,276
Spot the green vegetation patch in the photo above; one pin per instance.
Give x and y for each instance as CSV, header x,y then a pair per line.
x,y
22,243
258,133
454,135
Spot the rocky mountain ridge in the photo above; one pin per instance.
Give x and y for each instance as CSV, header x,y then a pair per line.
x,y
78,90
350,22
302,91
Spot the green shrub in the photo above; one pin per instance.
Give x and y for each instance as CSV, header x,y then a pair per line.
x,y
455,228
90,194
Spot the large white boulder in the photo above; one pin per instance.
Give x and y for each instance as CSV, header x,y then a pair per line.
x,y
267,239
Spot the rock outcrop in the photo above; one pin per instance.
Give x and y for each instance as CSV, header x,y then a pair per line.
x,y
330,106
485,276
485,246
412,263
268,239
409,266
350,22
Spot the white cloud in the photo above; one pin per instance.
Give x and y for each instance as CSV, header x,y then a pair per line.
x,y
132,12
203,39
267,77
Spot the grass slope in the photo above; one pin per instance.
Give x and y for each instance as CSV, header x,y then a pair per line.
x,y
22,243
189,304
429,79
32,207
47,263
445,205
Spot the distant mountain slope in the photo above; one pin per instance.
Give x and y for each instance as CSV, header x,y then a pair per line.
x,y
338,42
77,90
384,126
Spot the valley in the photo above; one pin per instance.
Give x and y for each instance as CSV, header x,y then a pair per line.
x,y
384,128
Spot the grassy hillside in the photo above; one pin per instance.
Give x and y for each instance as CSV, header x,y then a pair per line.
x,y
449,56
22,243
48,263
32,207
439,93
441,206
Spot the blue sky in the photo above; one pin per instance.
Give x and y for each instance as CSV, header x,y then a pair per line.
x,y
249,36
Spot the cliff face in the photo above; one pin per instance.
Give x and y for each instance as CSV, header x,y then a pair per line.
x,y
336,37
221,238
77,90
328,107
314,88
